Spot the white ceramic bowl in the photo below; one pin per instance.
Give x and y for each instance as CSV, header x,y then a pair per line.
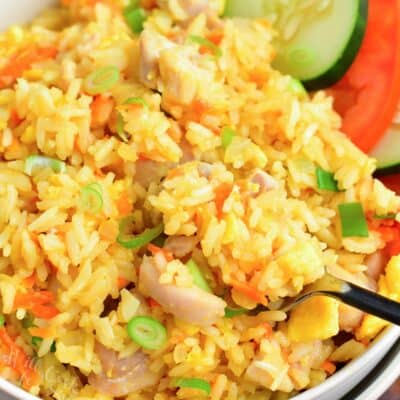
x,y
19,11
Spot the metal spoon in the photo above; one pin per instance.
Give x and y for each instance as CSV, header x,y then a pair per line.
x,y
353,295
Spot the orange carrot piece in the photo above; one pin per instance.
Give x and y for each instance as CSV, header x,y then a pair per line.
x,y
268,330
124,204
215,37
153,303
41,332
221,194
22,61
16,358
101,109
44,311
30,281
155,249
249,291
108,230
122,282
14,119
329,367
37,303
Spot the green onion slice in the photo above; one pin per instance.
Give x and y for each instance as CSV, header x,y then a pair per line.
x,y
354,223
296,87
206,43
198,278
147,332
234,312
326,180
135,18
2,321
53,347
227,136
120,128
130,241
385,216
91,198
101,80
38,162
192,383
27,322
137,100
36,341
159,241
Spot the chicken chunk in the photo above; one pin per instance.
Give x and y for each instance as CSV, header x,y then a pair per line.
x,y
192,305
265,181
181,246
122,376
151,45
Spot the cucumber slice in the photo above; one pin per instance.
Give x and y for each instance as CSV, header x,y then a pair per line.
x,y
387,153
324,44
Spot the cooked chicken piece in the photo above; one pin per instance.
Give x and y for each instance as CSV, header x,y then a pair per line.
x,y
122,376
264,180
151,44
192,305
181,246
376,264
148,171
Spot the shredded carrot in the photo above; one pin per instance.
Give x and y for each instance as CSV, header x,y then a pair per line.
x,y
389,234
249,291
215,37
22,61
16,359
393,248
124,204
149,4
41,332
122,282
101,109
108,230
14,119
221,194
258,76
155,249
329,367
30,281
268,330
153,303
38,303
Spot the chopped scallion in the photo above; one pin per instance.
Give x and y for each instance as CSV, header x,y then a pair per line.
x,y
206,43
385,216
135,18
354,223
192,383
53,347
197,276
36,341
130,241
137,100
326,180
91,198
227,136
296,87
38,162
234,312
147,332
120,128
101,80
27,322
2,321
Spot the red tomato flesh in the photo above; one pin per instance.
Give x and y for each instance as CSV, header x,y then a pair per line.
x,y
392,182
367,96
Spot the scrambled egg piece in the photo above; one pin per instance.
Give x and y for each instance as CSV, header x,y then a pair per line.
x,y
389,286
316,318
302,261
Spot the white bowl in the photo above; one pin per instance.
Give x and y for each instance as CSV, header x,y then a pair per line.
x,y
19,11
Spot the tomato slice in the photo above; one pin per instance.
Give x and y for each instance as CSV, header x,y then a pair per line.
x,y
367,96
392,182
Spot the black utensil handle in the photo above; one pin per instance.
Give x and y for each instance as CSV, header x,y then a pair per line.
x,y
371,302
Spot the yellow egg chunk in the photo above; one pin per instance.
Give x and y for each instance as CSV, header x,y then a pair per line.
x,y
389,286
316,318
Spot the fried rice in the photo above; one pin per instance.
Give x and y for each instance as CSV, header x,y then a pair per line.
x,y
198,137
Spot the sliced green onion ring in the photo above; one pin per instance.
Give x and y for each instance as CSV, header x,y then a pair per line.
x,y
101,80
147,332
38,162
326,180
91,198
385,216
135,18
234,312
206,43
120,128
197,276
137,100
354,223
2,320
227,136
192,383
296,87
53,347
130,241
36,341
